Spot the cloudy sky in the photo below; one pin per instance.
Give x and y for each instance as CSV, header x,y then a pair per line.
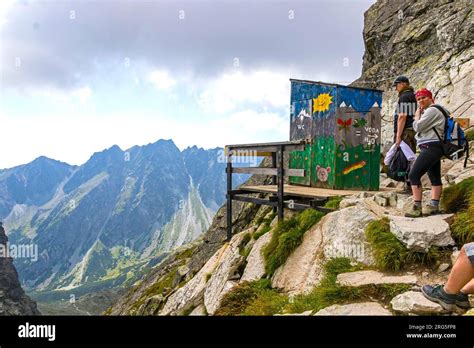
x,y
80,76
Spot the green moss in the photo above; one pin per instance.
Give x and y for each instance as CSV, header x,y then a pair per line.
x,y
333,202
470,134
462,229
456,197
208,276
260,232
186,253
252,298
328,292
286,237
391,254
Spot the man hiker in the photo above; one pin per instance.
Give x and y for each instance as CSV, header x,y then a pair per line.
x,y
460,282
427,118
403,118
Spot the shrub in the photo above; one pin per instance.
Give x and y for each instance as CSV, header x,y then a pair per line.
x,y
286,237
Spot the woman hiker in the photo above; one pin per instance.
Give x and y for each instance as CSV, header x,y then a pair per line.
x,y
431,151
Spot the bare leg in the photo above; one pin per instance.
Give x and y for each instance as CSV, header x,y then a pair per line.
x,y
468,288
461,274
416,192
436,192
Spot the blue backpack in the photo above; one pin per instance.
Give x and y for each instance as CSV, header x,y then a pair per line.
x,y
455,144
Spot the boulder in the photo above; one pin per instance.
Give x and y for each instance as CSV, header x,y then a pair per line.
x,y
362,278
199,311
338,234
295,314
255,268
363,308
419,234
415,303
219,284
192,292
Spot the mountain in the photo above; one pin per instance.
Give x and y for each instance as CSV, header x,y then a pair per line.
x,y
100,224
13,300
336,264
430,42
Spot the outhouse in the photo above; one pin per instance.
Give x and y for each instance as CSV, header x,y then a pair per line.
x,y
341,126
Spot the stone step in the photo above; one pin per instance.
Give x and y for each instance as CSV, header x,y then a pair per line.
x,y
363,308
361,278
413,302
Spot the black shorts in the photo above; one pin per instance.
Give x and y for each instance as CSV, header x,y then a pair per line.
x,y
428,161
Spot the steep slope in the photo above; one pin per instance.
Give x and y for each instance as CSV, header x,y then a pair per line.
x,y
118,212
428,41
13,300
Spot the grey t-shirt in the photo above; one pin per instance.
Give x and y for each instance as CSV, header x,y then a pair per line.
x,y
431,117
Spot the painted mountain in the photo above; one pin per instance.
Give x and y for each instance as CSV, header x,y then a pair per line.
x,y
98,225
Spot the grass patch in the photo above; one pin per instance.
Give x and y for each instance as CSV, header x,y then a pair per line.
x,y
266,225
286,237
252,298
469,135
457,197
390,254
333,202
328,292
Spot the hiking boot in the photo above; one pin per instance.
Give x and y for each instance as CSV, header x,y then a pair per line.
x,y
462,301
431,210
415,212
437,294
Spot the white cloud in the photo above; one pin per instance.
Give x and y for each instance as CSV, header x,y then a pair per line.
x,y
74,139
83,94
225,93
5,6
161,80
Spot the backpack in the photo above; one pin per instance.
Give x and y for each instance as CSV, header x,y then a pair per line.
x,y
399,166
455,144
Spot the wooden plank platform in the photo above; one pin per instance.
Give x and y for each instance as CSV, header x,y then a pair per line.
x,y
307,192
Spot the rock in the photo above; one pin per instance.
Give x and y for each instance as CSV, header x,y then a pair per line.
x,y
183,270
387,182
151,305
454,256
255,268
218,285
338,234
364,308
419,234
381,200
199,311
348,202
193,291
362,278
443,267
470,312
295,314
425,274
414,302
13,300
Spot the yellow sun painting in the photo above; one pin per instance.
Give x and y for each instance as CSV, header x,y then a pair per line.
x,y
322,102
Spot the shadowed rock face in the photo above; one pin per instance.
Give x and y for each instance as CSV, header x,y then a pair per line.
x,y
428,41
13,300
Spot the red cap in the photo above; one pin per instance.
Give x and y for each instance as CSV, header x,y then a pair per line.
x,y
424,93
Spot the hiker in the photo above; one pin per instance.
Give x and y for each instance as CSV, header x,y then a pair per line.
x,y
426,118
460,282
403,118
